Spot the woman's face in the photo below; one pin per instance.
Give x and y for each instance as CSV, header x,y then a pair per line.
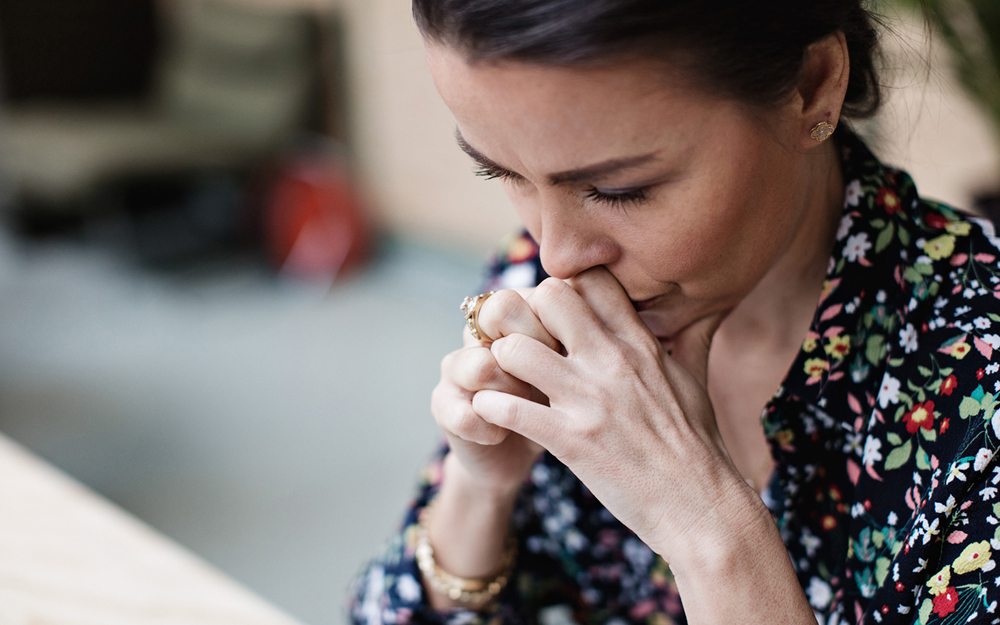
x,y
684,197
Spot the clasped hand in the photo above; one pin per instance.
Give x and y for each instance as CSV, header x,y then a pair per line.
x,y
574,370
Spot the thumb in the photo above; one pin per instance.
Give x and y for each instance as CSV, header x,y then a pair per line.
x,y
692,344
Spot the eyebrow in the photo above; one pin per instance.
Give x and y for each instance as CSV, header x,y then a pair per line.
x,y
590,172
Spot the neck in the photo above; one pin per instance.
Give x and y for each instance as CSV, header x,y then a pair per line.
x,y
777,313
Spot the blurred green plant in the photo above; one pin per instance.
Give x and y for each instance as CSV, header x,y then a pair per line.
x,y
971,30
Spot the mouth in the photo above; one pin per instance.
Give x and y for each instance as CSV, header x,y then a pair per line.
x,y
666,341
646,304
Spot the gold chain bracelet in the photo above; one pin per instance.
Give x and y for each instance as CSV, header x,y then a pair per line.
x,y
462,590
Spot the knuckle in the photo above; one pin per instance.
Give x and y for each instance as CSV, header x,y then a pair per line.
x,y
465,423
588,432
445,396
492,435
437,400
444,403
469,426
469,368
504,300
550,291
648,345
509,415
455,415
505,311
509,346
619,364
439,404
460,421
481,369
606,400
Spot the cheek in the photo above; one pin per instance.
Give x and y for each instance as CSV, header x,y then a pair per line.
x,y
718,245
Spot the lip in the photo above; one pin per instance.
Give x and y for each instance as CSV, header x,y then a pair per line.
x,y
646,304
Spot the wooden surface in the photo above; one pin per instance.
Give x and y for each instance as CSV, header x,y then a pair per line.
x,y
69,557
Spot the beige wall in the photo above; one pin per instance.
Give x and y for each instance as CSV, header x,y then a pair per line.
x,y
419,180
928,126
422,186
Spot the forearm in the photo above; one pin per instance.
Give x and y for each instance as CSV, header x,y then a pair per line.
x,y
468,529
742,574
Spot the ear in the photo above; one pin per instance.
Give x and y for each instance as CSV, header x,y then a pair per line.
x,y
826,71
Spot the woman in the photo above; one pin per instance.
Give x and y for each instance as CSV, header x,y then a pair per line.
x,y
674,164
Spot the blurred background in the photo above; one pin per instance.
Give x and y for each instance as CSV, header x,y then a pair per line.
x,y
233,239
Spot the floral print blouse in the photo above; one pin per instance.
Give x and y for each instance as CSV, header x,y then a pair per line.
x,y
883,436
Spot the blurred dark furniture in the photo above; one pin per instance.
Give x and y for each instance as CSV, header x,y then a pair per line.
x,y
77,49
104,90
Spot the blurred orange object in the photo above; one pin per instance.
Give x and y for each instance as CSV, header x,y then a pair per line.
x,y
314,225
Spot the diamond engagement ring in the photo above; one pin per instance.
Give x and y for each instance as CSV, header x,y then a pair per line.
x,y
470,307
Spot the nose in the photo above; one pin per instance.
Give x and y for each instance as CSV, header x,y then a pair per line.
x,y
570,243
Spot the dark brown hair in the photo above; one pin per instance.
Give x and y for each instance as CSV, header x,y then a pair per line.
x,y
750,50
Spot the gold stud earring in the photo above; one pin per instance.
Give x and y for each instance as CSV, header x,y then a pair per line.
x,y
822,131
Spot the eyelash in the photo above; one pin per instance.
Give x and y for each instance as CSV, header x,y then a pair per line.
x,y
488,173
624,199
621,200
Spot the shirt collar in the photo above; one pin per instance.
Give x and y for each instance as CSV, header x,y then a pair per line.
x,y
840,364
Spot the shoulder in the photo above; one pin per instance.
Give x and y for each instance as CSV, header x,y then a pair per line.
x,y
942,374
929,483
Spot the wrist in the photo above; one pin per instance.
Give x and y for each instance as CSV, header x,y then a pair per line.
x,y
466,486
470,524
738,570
467,592
736,525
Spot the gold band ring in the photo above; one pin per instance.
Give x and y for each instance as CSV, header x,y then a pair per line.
x,y
470,306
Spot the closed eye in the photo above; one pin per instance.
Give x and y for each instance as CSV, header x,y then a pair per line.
x,y
619,199
488,172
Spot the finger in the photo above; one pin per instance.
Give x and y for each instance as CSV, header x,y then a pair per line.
x,y
528,360
453,412
609,301
476,369
692,345
515,414
506,313
565,314
468,340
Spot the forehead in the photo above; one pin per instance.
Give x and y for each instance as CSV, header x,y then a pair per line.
x,y
522,111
